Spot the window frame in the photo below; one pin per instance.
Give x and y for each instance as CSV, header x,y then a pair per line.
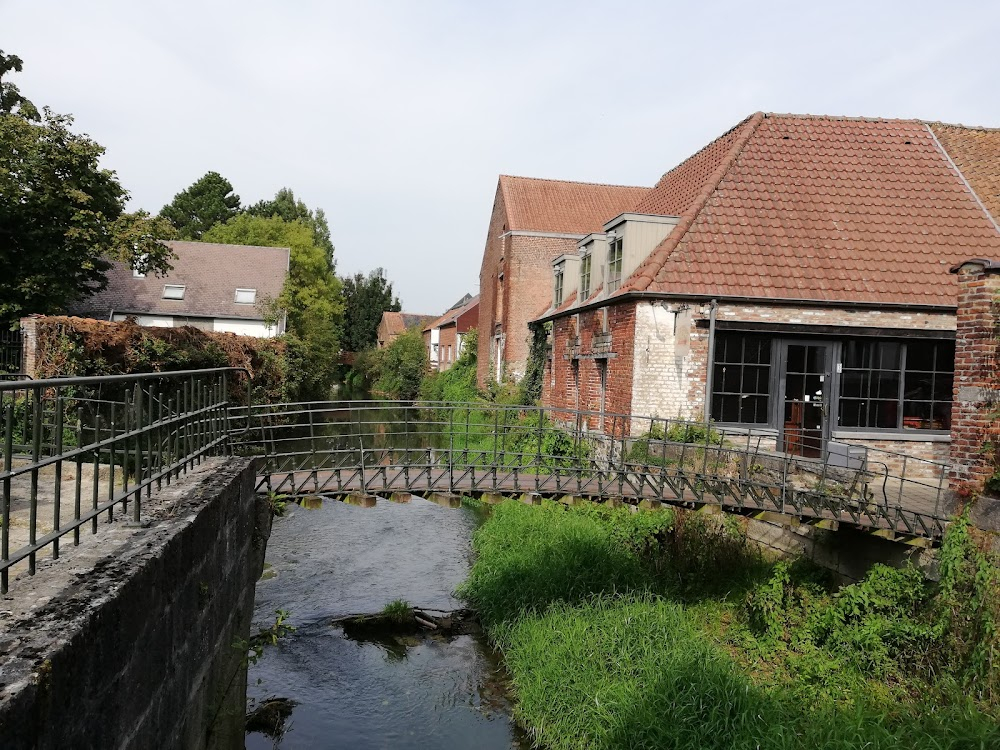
x,y
558,289
838,347
585,276
178,297
616,256
236,297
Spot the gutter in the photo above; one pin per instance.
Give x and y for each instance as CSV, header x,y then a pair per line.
x,y
710,360
641,296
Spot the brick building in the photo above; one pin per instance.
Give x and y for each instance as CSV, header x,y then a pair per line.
x,y
393,324
791,277
533,221
443,337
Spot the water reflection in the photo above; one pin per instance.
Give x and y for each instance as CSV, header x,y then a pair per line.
x,y
399,692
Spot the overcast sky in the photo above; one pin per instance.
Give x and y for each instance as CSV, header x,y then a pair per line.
x,y
397,117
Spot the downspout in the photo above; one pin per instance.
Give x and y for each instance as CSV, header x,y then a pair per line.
x,y
713,308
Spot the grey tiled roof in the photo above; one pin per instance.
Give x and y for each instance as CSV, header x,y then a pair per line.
x,y
211,273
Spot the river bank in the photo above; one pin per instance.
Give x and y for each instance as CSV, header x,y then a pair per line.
x,y
625,630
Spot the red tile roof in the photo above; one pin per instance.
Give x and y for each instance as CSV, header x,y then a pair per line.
x,y
454,313
976,152
564,207
819,209
397,323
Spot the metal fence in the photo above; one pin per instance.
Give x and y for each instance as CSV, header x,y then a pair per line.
x,y
342,447
77,449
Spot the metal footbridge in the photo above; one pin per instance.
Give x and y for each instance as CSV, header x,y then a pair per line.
x,y
376,448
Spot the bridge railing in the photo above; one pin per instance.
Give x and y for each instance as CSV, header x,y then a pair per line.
x,y
378,446
76,450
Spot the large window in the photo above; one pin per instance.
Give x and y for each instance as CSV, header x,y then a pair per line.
x,y
615,264
585,277
741,380
896,385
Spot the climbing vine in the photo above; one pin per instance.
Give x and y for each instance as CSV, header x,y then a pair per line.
x,y
531,384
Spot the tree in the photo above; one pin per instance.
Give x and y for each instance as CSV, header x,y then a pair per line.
x,y
402,366
11,100
365,299
208,202
285,206
62,217
311,296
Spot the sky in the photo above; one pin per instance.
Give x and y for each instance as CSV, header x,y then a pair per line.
x,y
396,118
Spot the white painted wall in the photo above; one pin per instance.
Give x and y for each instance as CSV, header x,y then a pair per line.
x,y
245,328
150,321
661,375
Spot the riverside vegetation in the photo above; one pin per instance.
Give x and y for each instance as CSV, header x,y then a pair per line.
x,y
669,629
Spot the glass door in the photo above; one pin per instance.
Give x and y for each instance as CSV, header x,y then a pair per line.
x,y
806,375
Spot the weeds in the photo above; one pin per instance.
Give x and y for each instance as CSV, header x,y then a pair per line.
x,y
398,612
666,629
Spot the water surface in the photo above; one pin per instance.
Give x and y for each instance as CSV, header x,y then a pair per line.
x,y
339,560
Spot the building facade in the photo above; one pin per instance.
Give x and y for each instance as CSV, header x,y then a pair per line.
x,y
444,336
533,221
790,279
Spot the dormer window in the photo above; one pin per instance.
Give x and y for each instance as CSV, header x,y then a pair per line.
x,y
585,277
246,296
614,264
557,294
173,291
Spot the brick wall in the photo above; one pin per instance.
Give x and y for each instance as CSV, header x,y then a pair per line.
x,y
974,428
524,294
446,348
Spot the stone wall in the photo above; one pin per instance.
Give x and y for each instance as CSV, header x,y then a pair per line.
x,y
137,652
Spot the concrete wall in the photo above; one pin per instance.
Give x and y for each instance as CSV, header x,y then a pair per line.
x,y
138,651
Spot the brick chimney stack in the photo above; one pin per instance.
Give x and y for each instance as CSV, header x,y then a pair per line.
x,y
975,415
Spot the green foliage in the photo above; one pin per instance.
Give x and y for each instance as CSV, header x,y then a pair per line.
x,y
286,207
311,296
265,637
366,297
531,383
61,216
608,626
198,208
398,612
457,384
278,503
11,99
401,366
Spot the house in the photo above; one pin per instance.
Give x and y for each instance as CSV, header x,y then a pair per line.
x,y
790,278
533,221
443,337
395,323
213,287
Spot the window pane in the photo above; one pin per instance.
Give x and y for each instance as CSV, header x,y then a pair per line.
x,y
920,356
887,385
888,356
852,413
943,383
741,378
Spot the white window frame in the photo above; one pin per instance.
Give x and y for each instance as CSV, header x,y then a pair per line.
x,y
170,293
253,300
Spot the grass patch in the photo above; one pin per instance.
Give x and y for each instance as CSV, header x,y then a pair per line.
x,y
663,629
398,612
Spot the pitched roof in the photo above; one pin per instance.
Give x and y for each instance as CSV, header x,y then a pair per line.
x,y
821,209
976,152
399,322
455,312
563,207
210,274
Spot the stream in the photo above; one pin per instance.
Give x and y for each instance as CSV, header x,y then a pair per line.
x,y
416,692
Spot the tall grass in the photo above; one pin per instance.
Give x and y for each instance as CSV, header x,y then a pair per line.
x,y
612,643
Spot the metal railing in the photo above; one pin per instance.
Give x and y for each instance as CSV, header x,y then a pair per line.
x,y
339,447
77,449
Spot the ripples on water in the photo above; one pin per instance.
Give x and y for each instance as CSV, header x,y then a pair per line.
x,y
339,560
